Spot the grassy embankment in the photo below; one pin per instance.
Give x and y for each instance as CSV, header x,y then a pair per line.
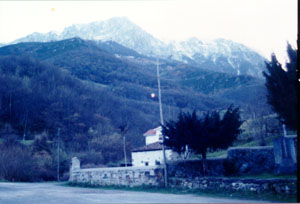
x,y
209,193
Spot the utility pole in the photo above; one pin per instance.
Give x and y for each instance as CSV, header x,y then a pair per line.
x,y
124,146
25,125
162,123
123,129
284,130
58,138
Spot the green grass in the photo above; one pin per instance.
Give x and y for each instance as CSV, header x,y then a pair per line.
x,y
253,143
240,143
209,193
217,154
26,142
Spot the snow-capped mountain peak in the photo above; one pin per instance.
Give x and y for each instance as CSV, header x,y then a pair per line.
x,y
218,55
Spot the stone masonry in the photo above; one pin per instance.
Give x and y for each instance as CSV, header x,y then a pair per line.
x,y
285,154
121,176
276,186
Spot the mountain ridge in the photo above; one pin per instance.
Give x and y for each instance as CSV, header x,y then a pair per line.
x,y
97,57
218,55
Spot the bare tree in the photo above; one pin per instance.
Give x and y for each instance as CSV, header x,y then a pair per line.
x,y
123,129
261,123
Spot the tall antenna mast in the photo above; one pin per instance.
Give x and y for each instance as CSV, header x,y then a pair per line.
x,y
58,149
162,123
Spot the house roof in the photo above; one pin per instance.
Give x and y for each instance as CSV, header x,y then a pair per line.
x,y
150,147
152,131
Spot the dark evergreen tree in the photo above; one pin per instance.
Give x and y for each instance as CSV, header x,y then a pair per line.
x,y
229,128
200,134
282,88
178,133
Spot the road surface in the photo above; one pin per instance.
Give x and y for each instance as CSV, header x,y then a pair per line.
x,y
54,193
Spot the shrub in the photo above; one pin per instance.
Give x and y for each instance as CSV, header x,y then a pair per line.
x,y
90,157
230,168
17,164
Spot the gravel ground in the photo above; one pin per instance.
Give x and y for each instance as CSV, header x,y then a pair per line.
x,y
53,193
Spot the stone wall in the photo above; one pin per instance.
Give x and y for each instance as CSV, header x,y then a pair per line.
x,y
193,168
277,186
126,176
240,161
251,160
285,152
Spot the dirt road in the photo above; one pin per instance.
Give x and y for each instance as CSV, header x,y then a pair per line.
x,y
53,193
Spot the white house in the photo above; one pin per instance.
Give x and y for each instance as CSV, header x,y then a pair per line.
x,y
153,135
151,154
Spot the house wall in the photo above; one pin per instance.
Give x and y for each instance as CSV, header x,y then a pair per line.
x,y
154,138
151,139
140,158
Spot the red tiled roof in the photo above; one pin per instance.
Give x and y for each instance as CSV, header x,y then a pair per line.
x,y
150,132
150,147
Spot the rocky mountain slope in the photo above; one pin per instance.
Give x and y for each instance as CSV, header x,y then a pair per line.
x,y
218,55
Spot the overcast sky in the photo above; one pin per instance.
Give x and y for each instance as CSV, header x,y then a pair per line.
x,y
263,25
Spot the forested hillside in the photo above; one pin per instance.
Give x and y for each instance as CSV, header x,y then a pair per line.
x,y
88,90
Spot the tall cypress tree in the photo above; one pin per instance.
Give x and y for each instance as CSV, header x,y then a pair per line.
x,y
200,134
282,88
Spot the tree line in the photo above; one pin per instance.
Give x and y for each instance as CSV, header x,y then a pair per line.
x,y
209,132
37,98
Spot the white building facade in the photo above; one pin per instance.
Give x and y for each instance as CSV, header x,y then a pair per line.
x,y
153,135
151,154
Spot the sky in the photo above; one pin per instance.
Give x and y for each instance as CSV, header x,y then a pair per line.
x,y
263,25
